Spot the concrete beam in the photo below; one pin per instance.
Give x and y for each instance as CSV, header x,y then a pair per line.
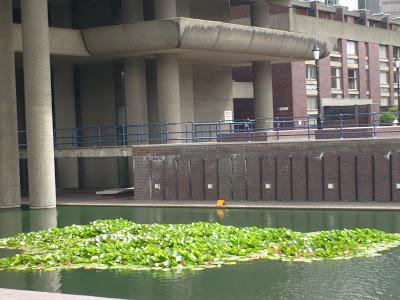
x,y
38,104
201,39
10,194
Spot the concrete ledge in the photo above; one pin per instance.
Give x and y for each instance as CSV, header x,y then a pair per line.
x,y
7,294
240,205
89,198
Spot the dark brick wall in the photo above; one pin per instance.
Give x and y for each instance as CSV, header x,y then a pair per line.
x,y
299,92
325,77
283,89
349,170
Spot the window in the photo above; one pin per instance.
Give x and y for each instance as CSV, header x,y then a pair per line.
x,y
354,96
352,61
384,101
383,51
311,72
396,52
351,48
337,96
336,58
353,77
384,65
385,90
336,78
384,77
312,103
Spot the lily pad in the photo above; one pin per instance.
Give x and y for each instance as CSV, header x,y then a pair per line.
x,y
124,245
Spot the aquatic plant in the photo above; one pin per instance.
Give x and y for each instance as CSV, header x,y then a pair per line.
x,y
122,244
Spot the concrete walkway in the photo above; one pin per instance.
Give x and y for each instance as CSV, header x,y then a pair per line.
x,y
89,198
6,294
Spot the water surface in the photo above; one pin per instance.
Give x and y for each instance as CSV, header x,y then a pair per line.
x,y
364,278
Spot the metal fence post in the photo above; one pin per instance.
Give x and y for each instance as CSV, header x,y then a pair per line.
x,y
99,139
75,138
248,130
219,136
166,132
341,125
277,127
373,125
124,135
141,134
193,133
308,128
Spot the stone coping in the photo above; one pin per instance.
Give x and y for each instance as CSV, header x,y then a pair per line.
x,y
8,294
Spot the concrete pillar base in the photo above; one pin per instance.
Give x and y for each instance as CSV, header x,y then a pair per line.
x,y
41,207
9,206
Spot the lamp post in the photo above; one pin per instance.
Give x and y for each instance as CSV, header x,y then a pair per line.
x,y
397,65
316,53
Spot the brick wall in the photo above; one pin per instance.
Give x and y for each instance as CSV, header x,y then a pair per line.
x,y
351,170
361,70
391,75
345,70
374,76
299,92
283,89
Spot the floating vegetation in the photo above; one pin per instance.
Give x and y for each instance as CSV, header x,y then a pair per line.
x,y
122,244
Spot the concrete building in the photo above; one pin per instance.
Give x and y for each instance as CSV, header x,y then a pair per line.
x,y
374,6
80,64
391,7
358,76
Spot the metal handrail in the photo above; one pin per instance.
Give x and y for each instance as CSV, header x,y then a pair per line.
x,y
279,128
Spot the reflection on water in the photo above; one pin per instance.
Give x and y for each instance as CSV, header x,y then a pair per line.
x,y
367,278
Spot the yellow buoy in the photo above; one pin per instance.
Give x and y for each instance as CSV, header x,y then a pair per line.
x,y
220,202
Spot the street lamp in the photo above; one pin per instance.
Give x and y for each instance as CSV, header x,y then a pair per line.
x,y
316,53
397,65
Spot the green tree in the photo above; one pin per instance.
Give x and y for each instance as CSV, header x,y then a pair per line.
x,y
389,116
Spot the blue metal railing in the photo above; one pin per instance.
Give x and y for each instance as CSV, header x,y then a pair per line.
x,y
362,125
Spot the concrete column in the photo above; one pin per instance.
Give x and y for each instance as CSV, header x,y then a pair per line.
x,y
262,70
135,91
186,91
168,89
39,121
65,118
165,9
135,70
132,11
10,195
259,12
262,77
135,102
135,81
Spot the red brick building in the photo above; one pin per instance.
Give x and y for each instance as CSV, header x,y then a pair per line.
x,y
358,77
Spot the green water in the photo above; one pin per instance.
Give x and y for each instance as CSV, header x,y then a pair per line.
x,y
366,278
